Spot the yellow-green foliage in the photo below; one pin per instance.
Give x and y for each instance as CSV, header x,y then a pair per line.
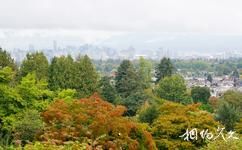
x,y
222,145
67,94
46,146
173,121
238,127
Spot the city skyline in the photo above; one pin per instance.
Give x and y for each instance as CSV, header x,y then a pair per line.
x,y
200,26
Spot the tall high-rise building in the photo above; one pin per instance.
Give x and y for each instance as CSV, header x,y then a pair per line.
x,y
54,45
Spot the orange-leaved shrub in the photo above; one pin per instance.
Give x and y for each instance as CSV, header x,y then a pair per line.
x,y
95,122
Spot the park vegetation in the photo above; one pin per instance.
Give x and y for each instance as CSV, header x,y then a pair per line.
x,y
78,103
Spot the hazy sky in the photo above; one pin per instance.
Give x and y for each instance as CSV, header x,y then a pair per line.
x,y
95,20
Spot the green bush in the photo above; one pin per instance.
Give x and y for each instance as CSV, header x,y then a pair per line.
x,y
24,125
46,146
149,114
222,145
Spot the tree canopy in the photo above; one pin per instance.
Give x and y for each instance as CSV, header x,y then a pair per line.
x,y
164,68
35,62
127,80
173,121
172,88
144,72
6,60
200,94
94,119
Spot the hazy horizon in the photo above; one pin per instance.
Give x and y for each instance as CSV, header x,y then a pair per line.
x,y
199,26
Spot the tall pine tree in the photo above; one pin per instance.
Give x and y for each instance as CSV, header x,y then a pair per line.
x,y
165,68
86,77
107,90
144,72
6,60
127,80
62,73
35,62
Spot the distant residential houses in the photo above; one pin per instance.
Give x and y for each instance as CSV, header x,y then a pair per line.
x,y
218,86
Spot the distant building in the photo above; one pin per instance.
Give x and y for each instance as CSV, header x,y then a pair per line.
x,y
218,86
54,45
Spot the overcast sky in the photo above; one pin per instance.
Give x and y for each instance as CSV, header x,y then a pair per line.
x,y
93,20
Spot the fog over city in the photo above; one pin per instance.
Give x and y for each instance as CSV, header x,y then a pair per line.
x,y
173,25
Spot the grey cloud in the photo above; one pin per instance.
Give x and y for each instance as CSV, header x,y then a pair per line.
x,y
124,15
29,21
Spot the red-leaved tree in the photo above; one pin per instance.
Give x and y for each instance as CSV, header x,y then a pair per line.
x,y
95,122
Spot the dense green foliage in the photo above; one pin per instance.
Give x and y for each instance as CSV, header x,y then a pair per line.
x,y
10,100
165,68
221,145
61,73
133,102
65,73
35,62
210,78
107,90
172,88
200,94
173,121
229,111
49,105
149,114
86,77
234,98
144,72
26,125
6,60
228,115
127,80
